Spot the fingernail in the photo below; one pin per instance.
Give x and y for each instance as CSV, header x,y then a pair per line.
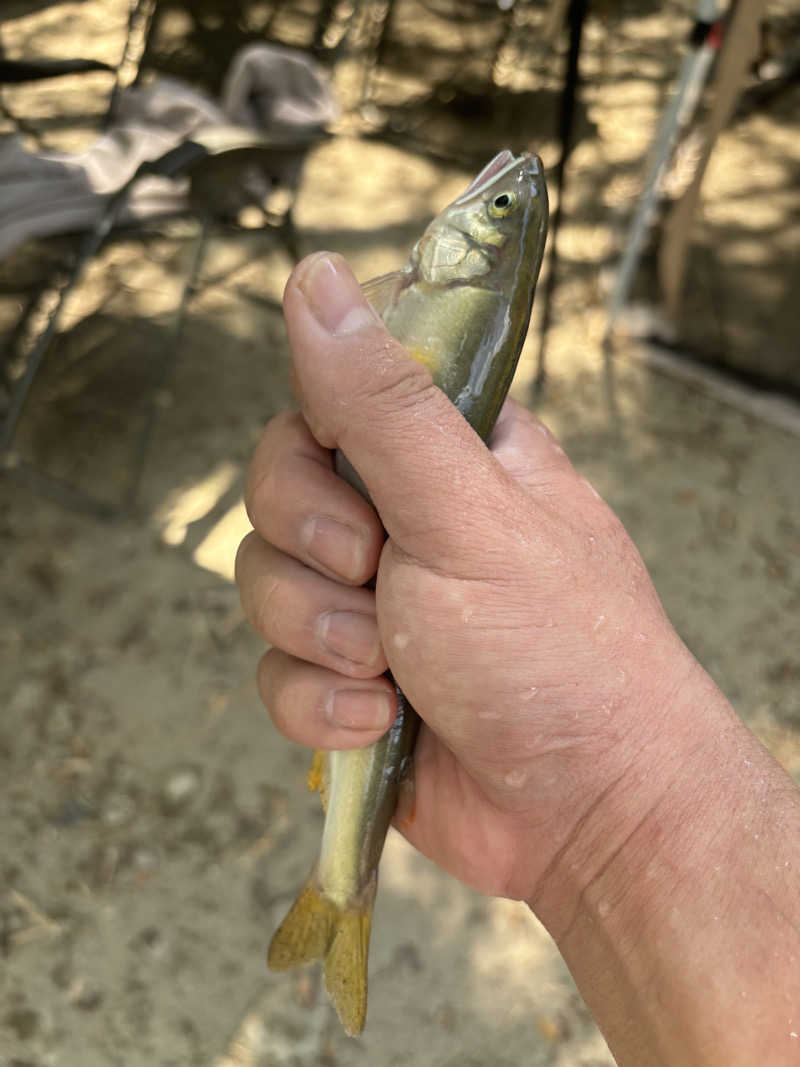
x,y
337,546
359,709
351,634
335,297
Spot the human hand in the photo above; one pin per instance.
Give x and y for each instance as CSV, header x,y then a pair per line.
x,y
572,753
513,609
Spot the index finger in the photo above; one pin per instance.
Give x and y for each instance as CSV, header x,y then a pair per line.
x,y
297,503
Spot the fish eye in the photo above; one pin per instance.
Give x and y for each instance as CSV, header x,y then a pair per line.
x,y
502,205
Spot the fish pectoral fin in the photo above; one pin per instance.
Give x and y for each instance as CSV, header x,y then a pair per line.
x,y
316,928
384,290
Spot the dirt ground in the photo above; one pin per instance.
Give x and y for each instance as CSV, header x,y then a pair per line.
x,y
154,826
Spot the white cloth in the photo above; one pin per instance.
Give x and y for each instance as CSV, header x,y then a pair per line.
x,y
272,91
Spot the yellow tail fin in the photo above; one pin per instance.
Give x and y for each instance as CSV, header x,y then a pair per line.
x,y
316,928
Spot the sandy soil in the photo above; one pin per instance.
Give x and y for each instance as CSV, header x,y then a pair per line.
x,y
155,826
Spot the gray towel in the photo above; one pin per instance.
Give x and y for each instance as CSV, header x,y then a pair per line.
x,y
276,93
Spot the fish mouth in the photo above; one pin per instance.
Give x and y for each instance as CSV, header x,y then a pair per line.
x,y
502,163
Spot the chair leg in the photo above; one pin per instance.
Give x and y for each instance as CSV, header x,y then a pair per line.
x,y
167,364
89,247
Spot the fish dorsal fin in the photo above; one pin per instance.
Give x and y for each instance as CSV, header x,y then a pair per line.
x,y
384,290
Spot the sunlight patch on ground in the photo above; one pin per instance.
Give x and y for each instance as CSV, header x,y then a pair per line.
x,y
185,506
217,551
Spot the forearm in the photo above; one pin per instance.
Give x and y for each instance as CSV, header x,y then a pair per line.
x,y
684,936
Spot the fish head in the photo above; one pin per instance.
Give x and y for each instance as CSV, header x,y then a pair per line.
x,y
493,234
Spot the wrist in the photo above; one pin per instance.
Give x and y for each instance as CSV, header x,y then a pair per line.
x,y
635,785
671,900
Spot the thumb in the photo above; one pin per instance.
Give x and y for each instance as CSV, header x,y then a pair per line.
x,y
424,467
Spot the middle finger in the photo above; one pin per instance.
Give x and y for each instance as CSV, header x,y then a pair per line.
x,y
306,614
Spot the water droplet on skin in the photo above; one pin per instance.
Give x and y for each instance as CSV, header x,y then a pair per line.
x,y
599,622
401,640
622,676
467,613
590,487
514,779
529,694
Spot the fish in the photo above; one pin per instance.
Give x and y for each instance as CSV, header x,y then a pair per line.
x,y
461,306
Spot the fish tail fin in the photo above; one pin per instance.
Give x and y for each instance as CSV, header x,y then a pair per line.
x,y
316,928
346,966
305,933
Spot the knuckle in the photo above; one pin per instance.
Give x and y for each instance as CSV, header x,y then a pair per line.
x,y
268,684
405,385
260,498
263,589
241,553
275,442
269,610
396,381
283,427
259,490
